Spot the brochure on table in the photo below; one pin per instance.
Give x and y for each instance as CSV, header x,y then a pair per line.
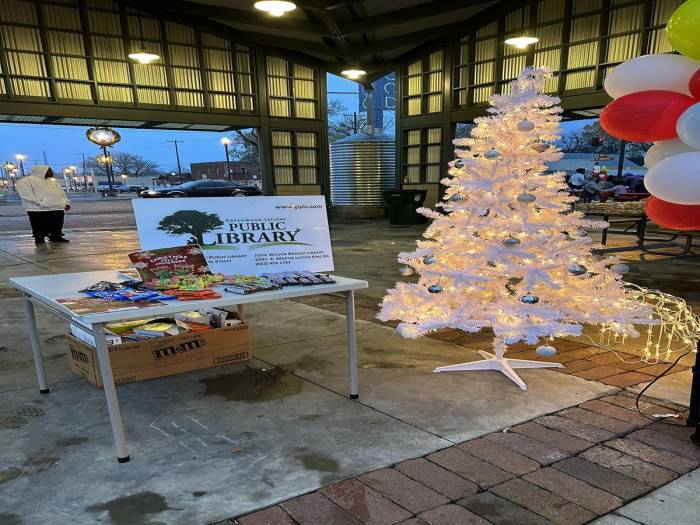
x,y
250,235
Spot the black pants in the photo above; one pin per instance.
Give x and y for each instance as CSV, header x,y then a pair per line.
x,y
47,224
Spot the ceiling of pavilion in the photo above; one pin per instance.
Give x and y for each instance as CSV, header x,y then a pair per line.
x,y
341,33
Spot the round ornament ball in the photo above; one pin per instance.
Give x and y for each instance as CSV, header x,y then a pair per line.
x,y
688,126
525,126
545,350
664,149
675,179
458,197
620,268
540,147
429,259
492,154
510,242
658,71
682,29
459,164
577,269
645,116
673,216
529,299
435,288
406,271
694,84
526,198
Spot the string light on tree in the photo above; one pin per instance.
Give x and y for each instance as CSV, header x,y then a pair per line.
x,y
508,266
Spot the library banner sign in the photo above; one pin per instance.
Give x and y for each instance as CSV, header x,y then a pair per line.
x,y
248,235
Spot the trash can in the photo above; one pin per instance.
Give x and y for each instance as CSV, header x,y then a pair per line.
x,y
403,205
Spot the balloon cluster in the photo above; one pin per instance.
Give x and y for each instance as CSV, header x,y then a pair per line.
x,y
657,99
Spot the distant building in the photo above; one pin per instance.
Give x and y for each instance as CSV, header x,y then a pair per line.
x,y
571,161
241,172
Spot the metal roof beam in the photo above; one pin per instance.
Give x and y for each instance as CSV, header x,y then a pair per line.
x,y
393,18
233,15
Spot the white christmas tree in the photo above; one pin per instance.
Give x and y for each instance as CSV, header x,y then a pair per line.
x,y
507,251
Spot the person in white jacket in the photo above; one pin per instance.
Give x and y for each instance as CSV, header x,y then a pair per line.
x,y
45,203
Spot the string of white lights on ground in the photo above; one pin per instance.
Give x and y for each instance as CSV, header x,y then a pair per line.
x,y
675,328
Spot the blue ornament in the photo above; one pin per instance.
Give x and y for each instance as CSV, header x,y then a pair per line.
x,y
546,350
577,269
529,299
435,288
429,259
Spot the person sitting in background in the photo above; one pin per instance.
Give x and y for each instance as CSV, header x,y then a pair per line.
x,y
45,203
635,183
578,179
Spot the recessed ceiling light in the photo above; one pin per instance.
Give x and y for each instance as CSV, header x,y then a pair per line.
x,y
522,41
275,7
353,74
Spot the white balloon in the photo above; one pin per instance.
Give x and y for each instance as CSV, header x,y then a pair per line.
x,y
665,71
688,126
663,149
676,179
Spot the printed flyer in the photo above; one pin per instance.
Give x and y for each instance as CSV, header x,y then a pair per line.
x,y
252,235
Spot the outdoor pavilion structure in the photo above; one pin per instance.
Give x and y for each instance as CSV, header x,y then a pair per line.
x,y
225,65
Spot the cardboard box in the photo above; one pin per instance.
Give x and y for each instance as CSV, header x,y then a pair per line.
x,y
152,358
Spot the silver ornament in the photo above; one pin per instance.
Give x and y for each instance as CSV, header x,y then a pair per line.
x,y
526,198
620,268
406,271
492,154
457,197
459,164
525,125
577,269
540,147
510,242
545,350
435,288
529,299
429,259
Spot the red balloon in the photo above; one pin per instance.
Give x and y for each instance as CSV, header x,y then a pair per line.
x,y
673,216
694,84
645,116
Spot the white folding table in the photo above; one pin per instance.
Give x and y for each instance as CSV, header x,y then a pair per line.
x,y
43,290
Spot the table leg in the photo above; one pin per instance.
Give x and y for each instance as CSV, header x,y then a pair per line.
x,y
115,416
241,312
604,237
352,343
36,345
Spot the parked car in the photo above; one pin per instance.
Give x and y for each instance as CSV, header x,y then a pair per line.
x,y
203,188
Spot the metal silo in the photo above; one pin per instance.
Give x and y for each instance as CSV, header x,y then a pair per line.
x,y
362,167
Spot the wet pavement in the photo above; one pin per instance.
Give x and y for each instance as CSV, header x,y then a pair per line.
x,y
224,442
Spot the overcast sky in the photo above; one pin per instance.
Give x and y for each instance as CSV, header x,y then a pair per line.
x,y
64,145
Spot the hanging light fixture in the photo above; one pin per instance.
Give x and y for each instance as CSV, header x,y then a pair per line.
x,y
142,56
353,74
275,7
525,38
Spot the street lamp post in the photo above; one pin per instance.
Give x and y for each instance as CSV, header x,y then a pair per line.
x,y
11,171
21,158
105,138
226,141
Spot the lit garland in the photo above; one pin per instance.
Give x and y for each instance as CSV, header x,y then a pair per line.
x,y
674,329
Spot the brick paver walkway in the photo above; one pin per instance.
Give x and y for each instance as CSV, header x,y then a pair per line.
x,y
580,359
568,468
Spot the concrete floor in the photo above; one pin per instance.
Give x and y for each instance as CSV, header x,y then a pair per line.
x,y
222,442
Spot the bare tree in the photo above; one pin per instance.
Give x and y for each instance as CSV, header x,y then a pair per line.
x,y
245,145
125,164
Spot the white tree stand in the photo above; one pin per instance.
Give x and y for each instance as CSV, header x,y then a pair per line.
x,y
498,362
